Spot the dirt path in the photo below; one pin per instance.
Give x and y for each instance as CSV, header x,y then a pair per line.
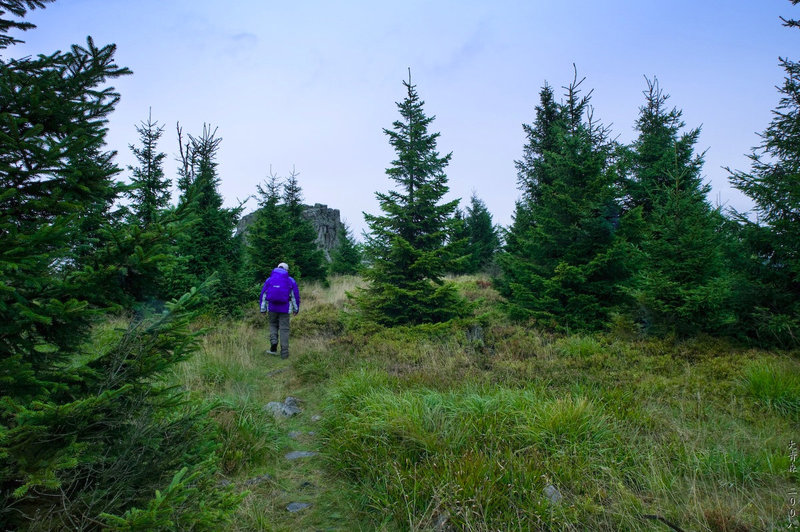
x,y
298,493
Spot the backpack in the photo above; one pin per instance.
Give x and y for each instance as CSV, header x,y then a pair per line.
x,y
278,289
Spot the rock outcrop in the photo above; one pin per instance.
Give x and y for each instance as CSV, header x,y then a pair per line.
x,y
328,224
326,221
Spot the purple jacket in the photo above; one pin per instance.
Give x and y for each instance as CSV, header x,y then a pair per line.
x,y
294,295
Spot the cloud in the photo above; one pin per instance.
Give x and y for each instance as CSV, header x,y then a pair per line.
x,y
463,54
241,43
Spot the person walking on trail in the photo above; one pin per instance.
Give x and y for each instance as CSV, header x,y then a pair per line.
x,y
279,297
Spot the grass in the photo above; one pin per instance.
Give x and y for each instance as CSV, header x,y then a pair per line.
x,y
775,385
468,424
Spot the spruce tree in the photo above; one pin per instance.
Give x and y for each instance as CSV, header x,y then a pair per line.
x,y
564,262
772,304
281,233
458,240
86,434
346,257
681,285
407,247
483,239
209,244
150,191
303,254
267,238
661,152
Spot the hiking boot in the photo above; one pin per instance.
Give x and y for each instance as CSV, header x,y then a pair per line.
x,y
273,349
284,357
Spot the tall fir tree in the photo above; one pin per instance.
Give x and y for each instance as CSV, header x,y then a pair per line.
x,y
150,189
209,244
482,235
267,238
564,261
458,240
346,256
661,152
681,285
407,247
303,254
86,435
772,309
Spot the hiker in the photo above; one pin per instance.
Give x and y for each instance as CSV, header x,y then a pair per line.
x,y
279,297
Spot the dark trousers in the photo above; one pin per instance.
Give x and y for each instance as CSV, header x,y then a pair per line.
x,y
279,323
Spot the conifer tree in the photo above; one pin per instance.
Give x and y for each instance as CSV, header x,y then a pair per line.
x,y
150,192
542,138
303,254
772,306
458,240
680,285
209,244
281,233
407,246
481,234
346,257
563,262
85,434
662,151
267,240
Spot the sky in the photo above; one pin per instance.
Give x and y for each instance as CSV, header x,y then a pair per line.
x,y
311,85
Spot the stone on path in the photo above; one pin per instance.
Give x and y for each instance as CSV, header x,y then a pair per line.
x,y
295,434
552,493
258,480
315,418
297,506
290,407
292,401
294,455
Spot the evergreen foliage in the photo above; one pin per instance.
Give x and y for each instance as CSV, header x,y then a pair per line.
x,y
458,239
681,283
17,8
267,244
150,192
346,257
307,260
280,233
407,248
772,241
209,244
475,239
564,260
661,153
84,431
482,235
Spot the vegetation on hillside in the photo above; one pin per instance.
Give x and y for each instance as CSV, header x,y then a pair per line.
x,y
470,424
611,375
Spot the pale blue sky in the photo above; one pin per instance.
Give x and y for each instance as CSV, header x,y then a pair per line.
x,y
312,84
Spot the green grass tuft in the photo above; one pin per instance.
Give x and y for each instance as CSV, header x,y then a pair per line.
x,y
776,386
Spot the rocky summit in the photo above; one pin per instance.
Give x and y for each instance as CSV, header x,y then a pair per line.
x,y
326,221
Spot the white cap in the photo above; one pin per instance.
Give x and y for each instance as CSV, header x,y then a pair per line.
x,y
284,266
